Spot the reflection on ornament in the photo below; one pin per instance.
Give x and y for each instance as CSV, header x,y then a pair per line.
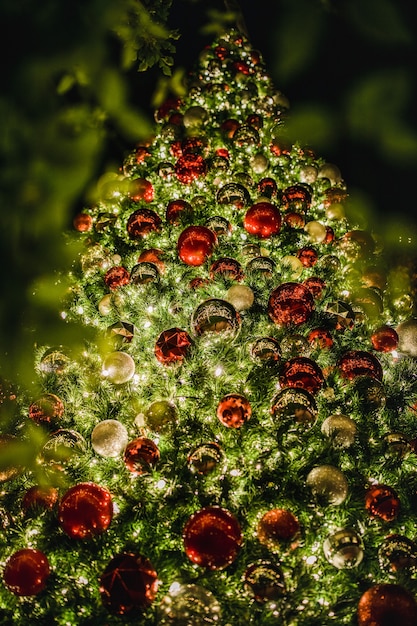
x,y
262,220
39,498
316,285
328,484
371,393
26,572
261,265
234,194
340,429
384,339
212,538
331,172
246,136
161,415
398,553
308,174
54,361
85,510
109,438
320,338
386,605
227,268
295,405
302,372
47,410
83,222
178,211
344,548
205,458
397,445
116,277
265,581
118,367
141,455
195,245
121,332
154,256
172,346
143,222
266,350
294,345
141,189
316,231
268,187
144,273
407,335
234,410
62,445
382,502
259,163
241,297
190,167
128,585
215,316
219,225
296,198
290,303
356,363
188,605
277,527
308,256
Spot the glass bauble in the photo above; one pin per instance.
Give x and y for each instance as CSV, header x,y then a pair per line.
x,y
196,244
204,458
268,187
39,498
62,446
266,351
189,605
290,303
386,605
262,220
356,363
265,581
212,538
26,572
234,194
308,174
296,198
331,172
142,222
190,167
172,346
82,222
246,136
141,189
47,410
382,501
308,256
340,429
85,510
226,268
128,585
116,277
295,405
384,339
295,344
407,337
109,438
277,527
118,367
241,297
141,455
194,117
371,393
316,285
398,553
178,211
259,163
161,415
144,273
320,338
215,316
316,231
343,548
234,410
219,225
302,372
54,361
261,265
396,445
328,485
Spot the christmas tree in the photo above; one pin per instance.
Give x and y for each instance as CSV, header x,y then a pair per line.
x,y
235,444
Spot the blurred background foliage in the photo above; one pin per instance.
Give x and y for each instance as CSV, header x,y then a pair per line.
x,y
80,81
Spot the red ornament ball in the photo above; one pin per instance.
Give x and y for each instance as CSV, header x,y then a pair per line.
x,y
26,572
382,501
116,277
268,187
315,285
290,303
153,255
47,411
141,455
190,167
39,498
302,372
320,338
178,211
277,526
212,538
172,346
226,267
359,363
294,220
129,583
141,189
296,198
263,220
85,510
234,410
387,605
195,245
385,339
142,222
308,256
83,222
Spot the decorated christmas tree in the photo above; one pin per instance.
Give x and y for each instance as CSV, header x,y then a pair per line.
x,y
235,444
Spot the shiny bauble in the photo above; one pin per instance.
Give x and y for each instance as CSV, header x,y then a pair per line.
x,y
190,167
328,485
235,194
195,245
387,605
189,605
331,172
172,346
266,351
38,499
161,416
265,581
241,297
263,220
371,393
343,548
340,429
204,458
320,339
356,363
382,502
290,303
141,455
216,316
143,222
54,361
212,538
316,231
144,273
109,438
85,510
303,373
62,446
234,410
296,198
316,285
407,337
308,256
118,367
294,344
226,268
397,554
128,585
178,211
116,277
194,117
47,410
26,572
277,528
295,406
385,339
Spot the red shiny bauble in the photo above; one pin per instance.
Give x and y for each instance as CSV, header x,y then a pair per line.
x,y
296,198
382,501
171,104
329,235
212,538
290,303
195,245
234,410
39,498
268,187
320,338
190,167
153,255
172,346
141,455
294,219
85,510
128,584
359,363
229,127
387,605
83,222
308,256
385,339
263,220
276,527
26,572
142,222
226,268
141,189
255,120
315,285
178,211
116,277
302,372
47,410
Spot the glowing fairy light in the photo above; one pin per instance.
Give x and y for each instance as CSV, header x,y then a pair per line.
x,y
219,371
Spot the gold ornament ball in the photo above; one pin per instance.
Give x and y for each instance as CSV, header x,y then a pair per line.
x,y
344,548
160,415
331,172
328,484
340,429
335,211
293,264
308,174
118,367
109,438
105,305
241,296
189,605
259,163
316,231
407,336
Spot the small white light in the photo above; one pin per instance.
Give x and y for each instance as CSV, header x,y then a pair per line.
x,y
310,560
218,371
147,324
161,484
